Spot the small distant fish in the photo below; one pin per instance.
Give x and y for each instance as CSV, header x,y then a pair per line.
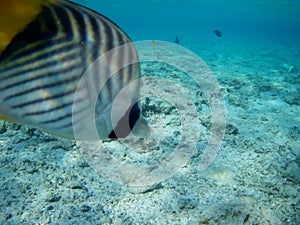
x,y
218,33
177,41
45,48
153,43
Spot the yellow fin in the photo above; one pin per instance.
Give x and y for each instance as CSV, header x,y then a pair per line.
x,y
15,15
2,117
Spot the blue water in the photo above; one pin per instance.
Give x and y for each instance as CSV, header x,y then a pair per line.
x,y
273,20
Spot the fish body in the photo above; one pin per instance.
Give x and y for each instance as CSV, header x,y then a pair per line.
x,y
218,33
44,57
177,41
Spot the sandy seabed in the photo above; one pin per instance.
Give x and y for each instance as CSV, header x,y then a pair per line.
x,y
253,180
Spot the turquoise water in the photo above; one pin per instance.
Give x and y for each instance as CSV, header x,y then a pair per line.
x,y
269,20
255,176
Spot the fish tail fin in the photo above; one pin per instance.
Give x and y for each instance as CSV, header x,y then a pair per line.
x,y
141,128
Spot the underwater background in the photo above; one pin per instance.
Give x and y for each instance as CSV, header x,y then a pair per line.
x,y
256,175
193,20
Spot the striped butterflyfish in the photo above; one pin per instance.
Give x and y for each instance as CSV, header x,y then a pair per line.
x,y
47,49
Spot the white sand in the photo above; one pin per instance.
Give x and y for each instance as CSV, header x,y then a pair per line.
x,y
253,180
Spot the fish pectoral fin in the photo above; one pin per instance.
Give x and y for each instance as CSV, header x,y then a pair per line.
x,y
3,117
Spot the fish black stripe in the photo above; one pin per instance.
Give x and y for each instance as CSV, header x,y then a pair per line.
x,y
82,25
108,35
57,108
66,116
46,74
39,100
129,72
65,125
58,119
95,51
94,14
121,39
95,26
29,35
109,88
122,55
96,38
77,17
34,59
80,118
43,72
130,69
9,75
113,57
28,50
72,123
41,112
91,52
47,28
133,69
60,15
122,60
51,85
